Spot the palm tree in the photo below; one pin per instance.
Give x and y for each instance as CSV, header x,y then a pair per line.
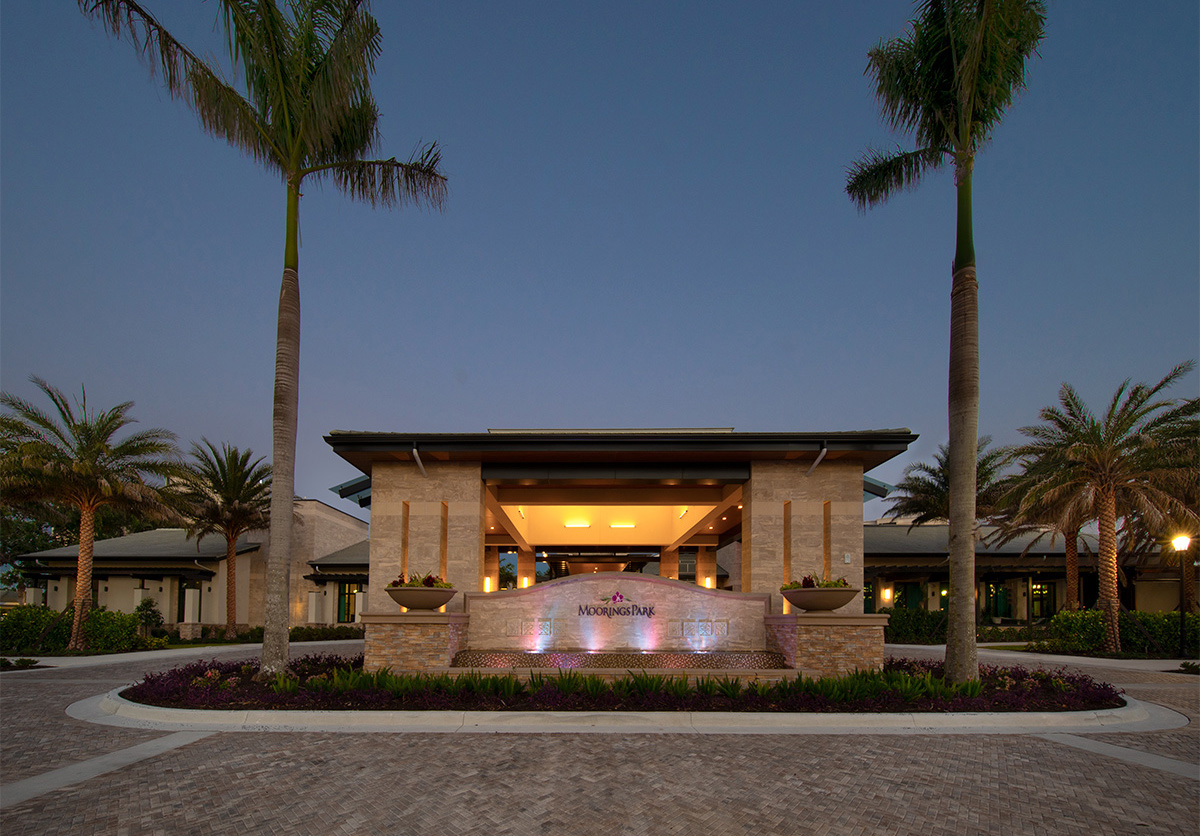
x,y
924,492
948,82
307,115
1127,462
225,493
75,459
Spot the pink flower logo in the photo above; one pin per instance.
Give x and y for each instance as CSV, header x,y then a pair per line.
x,y
617,597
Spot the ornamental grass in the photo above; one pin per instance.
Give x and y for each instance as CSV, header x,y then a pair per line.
x,y
329,683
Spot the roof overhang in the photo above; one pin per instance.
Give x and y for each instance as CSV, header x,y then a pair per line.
x,y
654,448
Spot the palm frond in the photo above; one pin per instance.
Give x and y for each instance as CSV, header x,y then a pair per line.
x,y
878,175
392,183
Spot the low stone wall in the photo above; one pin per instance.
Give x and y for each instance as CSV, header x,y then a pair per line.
x,y
827,644
413,641
617,612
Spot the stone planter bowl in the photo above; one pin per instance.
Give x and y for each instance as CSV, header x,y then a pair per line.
x,y
420,597
820,599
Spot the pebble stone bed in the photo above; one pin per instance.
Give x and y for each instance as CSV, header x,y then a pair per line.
x,y
726,660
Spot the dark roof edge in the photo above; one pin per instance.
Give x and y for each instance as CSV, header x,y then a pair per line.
x,y
842,440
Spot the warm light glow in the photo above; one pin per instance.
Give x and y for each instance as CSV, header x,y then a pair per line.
x,y
487,584
708,583
739,507
620,525
577,524
681,513
1181,543
524,581
887,593
521,511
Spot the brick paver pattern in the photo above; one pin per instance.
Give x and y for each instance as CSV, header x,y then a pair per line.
x,y
241,783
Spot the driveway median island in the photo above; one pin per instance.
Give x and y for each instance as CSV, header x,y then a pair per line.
x,y
335,683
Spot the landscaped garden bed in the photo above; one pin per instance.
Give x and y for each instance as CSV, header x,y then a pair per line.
x,y
329,683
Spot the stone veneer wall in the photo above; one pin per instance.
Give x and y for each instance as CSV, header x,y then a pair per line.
x,y
782,501
828,644
431,522
413,641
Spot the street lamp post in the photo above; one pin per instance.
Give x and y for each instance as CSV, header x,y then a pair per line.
x,y
1181,544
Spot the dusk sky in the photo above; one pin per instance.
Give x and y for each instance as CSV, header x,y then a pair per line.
x,y
646,227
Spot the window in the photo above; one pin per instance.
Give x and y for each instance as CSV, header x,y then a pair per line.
x,y
1041,599
346,602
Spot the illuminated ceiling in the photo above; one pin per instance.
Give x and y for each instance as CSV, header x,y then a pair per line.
x,y
604,525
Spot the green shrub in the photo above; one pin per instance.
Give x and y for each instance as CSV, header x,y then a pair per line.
x,y
321,634
1082,631
110,632
914,626
1013,634
148,614
32,628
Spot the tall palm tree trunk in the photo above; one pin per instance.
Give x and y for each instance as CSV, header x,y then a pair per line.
x,y
283,447
1072,551
962,663
1109,601
287,367
83,575
231,587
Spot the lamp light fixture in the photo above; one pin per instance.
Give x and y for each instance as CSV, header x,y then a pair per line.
x,y
620,525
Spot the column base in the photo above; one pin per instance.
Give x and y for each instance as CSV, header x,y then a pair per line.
x,y
413,641
827,644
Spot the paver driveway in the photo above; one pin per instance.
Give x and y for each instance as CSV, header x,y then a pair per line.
x,y
322,783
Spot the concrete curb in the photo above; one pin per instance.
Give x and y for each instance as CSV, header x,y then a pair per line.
x,y
113,710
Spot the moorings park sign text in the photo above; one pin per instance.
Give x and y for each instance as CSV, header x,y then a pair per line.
x,y
616,606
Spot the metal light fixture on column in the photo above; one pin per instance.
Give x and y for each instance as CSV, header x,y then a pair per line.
x,y
1181,544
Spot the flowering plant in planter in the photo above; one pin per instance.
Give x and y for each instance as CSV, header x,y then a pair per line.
x,y
429,580
812,582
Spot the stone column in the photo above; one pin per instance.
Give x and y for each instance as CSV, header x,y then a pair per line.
x,y
526,568
668,564
491,568
706,566
425,523
776,489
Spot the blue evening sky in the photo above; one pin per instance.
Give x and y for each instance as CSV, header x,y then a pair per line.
x,y
646,227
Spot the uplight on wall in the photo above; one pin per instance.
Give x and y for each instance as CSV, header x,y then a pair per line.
x,y
577,524
620,525
708,583
887,593
524,581
487,583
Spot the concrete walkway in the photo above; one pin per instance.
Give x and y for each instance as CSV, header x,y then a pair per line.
x,y
60,773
